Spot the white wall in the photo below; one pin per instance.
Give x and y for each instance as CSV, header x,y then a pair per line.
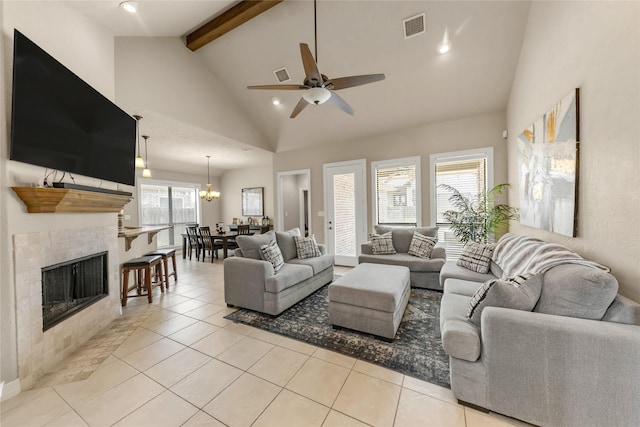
x,y
88,51
594,46
232,183
473,132
161,75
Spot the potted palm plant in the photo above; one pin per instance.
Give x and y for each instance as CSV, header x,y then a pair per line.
x,y
475,218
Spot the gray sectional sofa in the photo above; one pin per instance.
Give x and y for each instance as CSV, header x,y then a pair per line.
x,y
250,282
572,361
424,272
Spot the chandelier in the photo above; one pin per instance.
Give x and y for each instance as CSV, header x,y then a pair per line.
x,y
209,195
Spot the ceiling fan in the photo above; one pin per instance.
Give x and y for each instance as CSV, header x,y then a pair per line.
x,y
317,87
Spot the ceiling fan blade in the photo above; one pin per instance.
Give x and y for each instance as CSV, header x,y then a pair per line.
x,y
340,103
351,81
310,66
301,104
279,87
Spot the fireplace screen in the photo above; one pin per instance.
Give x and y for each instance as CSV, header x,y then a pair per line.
x,y
72,286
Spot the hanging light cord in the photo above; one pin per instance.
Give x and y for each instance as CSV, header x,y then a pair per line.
x,y
315,30
208,178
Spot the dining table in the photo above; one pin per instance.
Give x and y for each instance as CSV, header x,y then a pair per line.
x,y
225,242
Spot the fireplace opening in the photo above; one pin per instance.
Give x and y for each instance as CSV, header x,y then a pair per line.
x,y
71,286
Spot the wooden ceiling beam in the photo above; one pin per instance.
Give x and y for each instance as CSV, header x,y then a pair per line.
x,y
232,18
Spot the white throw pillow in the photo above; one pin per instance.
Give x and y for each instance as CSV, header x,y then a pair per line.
x,y
306,247
271,252
422,245
382,244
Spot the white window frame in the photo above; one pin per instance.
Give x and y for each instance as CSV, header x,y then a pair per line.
x,y
456,156
405,161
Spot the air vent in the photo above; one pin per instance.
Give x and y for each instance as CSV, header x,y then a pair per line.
x,y
414,26
282,75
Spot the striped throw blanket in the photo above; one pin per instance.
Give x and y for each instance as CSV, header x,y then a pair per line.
x,y
522,255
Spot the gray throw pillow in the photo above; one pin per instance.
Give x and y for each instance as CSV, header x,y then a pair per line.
x,y
421,245
382,244
306,247
250,245
287,243
476,257
271,252
518,293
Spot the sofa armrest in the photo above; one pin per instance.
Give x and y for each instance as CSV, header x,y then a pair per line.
x,y
439,251
570,371
365,248
244,281
323,248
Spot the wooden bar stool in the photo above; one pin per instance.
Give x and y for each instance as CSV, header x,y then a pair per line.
x,y
166,254
141,266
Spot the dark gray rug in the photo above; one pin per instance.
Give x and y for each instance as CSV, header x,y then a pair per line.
x,y
415,351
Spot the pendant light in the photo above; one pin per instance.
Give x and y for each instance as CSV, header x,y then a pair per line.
x,y
139,159
209,195
146,172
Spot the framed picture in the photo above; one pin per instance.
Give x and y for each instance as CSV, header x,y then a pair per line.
x,y
253,201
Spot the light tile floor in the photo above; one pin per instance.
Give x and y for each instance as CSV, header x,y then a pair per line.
x,y
179,362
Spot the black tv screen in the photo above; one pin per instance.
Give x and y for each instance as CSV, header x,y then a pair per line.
x,y
60,122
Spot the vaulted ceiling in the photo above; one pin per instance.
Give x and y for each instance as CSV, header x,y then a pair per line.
x,y
353,37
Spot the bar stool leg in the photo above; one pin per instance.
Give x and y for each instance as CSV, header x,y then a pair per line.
x,y
147,282
165,263
125,286
175,270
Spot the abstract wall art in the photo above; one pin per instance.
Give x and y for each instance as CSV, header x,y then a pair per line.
x,y
548,154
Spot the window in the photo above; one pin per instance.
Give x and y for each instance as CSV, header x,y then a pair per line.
x,y
163,203
396,191
470,172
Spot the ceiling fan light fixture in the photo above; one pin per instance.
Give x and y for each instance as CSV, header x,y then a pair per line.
x,y
316,95
129,6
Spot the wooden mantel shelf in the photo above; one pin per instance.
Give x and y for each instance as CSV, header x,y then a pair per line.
x,y
63,200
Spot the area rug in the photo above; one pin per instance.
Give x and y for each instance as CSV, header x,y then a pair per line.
x,y
416,350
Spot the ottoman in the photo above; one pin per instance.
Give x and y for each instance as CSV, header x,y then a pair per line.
x,y
370,298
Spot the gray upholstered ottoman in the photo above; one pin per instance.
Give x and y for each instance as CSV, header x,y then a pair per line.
x,y
370,298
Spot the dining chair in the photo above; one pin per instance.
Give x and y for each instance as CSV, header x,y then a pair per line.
x,y
193,240
242,229
208,243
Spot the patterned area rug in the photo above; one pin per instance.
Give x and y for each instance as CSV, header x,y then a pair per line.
x,y
415,351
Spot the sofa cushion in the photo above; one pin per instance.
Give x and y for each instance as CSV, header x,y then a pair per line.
x,y
414,264
577,291
318,264
402,235
287,243
421,245
519,293
250,245
451,270
476,257
461,287
382,244
306,247
271,252
460,338
288,276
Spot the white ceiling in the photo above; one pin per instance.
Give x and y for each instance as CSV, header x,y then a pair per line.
x,y
354,37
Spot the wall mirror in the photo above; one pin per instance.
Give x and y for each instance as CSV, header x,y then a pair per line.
x,y
253,201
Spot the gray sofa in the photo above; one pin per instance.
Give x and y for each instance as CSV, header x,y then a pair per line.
x,y
572,361
250,282
424,272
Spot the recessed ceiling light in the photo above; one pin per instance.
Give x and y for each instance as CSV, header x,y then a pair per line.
x,y
445,45
129,6
275,100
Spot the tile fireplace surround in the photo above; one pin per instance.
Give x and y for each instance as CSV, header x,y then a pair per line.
x,y
39,352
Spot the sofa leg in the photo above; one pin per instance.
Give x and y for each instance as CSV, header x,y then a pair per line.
x,y
472,406
231,306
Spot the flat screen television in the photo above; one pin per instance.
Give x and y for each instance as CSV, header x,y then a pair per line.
x,y
60,122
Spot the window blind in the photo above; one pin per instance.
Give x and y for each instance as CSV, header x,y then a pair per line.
x,y
396,195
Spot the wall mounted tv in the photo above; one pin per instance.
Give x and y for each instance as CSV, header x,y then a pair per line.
x,y
60,122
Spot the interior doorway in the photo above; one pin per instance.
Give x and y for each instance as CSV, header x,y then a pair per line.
x,y
294,200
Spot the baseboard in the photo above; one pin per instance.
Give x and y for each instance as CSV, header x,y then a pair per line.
x,y
10,389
